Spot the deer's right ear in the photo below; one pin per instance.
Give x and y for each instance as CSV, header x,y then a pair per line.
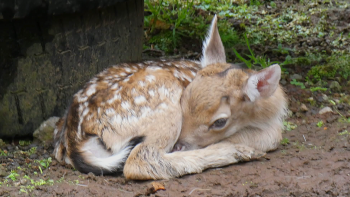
x,y
213,49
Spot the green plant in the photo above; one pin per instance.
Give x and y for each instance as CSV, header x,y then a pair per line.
x,y
44,162
314,89
13,175
261,60
255,2
32,150
3,152
289,126
320,124
297,83
273,4
345,132
285,141
299,146
24,143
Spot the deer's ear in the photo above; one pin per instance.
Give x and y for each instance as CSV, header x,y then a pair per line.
x,y
213,49
262,84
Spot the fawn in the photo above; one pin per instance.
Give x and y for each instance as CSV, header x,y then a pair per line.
x,y
164,119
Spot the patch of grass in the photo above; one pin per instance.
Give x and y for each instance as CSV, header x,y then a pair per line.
x,y
24,143
285,141
263,61
299,146
297,83
13,175
3,152
288,126
320,124
337,65
32,150
314,89
345,132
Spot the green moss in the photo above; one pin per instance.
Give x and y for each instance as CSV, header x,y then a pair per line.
x,y
336,66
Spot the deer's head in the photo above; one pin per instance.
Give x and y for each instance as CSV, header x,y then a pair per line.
x,y
223,99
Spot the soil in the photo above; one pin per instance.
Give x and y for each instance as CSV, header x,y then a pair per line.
x,y
314,160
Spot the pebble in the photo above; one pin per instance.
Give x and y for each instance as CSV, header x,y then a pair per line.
x,y
2,171
335,86
296,77
340,106
324,97
283,82
303,108
325,110
23,181
92,176
33,156
16,184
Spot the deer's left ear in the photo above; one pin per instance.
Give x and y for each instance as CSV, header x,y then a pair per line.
x,y
213,49
263,84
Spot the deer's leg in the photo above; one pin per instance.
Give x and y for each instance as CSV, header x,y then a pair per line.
x,y
147,162
263,140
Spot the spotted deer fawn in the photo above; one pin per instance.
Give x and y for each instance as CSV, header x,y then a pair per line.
x,y
164,119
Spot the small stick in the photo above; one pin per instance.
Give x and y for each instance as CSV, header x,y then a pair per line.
x,y
196,189
304,138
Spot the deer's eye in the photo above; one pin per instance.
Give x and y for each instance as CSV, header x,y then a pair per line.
x,y
219,123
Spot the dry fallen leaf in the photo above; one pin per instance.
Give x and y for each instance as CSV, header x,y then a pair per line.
x,y
155,187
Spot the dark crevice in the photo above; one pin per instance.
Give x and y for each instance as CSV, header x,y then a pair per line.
x,y
19,111
64,39
42,106
41,38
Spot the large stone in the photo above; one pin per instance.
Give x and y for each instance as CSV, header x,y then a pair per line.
x,y
45,132
325,110
296,77
335,86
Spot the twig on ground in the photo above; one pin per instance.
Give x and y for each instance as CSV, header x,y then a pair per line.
x,y
197,189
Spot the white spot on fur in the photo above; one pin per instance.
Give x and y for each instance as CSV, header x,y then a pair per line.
x,y
115,97
125,105
142,84
151,92
115,86
81,98
153,68
85,112
127,70
145,111
163,91
91,90
139,100
116,120
163,105
89,117
126,79
150,78
122,74
133,91
110,112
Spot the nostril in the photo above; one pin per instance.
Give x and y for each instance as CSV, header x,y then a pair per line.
x,y
178,147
